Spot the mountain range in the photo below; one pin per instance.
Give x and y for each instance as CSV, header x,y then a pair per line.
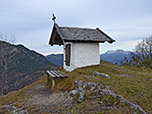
x,y
56,59
115,56
26,66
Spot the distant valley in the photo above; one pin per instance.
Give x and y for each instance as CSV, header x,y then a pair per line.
x,y
56,59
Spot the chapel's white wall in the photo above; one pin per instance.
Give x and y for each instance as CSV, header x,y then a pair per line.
x,y
83,54
86,54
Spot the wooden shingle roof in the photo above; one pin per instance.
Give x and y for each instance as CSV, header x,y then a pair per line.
x,y
74,34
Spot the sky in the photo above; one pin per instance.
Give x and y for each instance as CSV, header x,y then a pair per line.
x,y
30,21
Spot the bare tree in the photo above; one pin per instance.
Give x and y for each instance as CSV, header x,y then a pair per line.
x,y
143,53
7,53
145,48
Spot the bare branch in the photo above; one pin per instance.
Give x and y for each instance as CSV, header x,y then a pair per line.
x,y
6,38
7,53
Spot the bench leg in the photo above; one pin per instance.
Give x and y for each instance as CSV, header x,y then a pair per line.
x,y
53,83
47,79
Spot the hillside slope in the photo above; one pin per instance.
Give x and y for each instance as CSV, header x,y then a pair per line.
x,y
133,83
26,67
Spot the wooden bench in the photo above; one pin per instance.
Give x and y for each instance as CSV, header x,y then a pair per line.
x,y
55,75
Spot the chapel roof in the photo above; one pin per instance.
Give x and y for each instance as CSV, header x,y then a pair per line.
x,y
74,34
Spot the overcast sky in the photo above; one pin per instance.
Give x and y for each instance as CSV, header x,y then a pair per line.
x,y
126,21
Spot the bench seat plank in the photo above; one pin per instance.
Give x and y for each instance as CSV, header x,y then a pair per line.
x,y
52,75
56,74
61,75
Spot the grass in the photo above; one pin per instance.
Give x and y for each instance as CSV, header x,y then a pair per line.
x,y
19,98
135,87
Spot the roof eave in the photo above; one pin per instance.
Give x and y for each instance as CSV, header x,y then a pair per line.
x,y
56,29
83,41
111,40
59,31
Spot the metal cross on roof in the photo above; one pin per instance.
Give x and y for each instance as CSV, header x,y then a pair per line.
x,y
53,18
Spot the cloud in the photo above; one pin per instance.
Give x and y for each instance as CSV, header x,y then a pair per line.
x,y
127,21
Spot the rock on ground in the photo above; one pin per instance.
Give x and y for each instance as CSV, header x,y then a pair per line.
x,y
81,90
101,74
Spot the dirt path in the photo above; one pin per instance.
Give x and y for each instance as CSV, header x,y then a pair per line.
x,y
41,101
44,96
46,101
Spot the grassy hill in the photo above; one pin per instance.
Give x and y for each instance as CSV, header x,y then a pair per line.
x,y
133,83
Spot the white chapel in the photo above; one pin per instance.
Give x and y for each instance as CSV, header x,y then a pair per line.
x,y
80,45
